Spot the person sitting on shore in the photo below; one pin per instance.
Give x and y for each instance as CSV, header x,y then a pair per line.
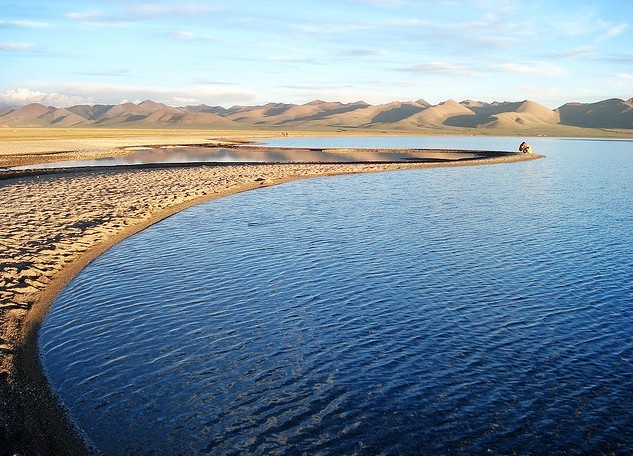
x,y
525,148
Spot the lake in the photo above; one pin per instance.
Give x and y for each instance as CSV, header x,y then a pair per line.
x,y
484,309
287,150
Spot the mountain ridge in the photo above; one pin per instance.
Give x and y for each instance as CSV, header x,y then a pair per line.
x,y
317,114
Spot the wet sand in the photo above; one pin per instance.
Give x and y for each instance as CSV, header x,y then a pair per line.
x,y
54,223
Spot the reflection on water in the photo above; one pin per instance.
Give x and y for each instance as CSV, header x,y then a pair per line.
x,y
408,151
468,310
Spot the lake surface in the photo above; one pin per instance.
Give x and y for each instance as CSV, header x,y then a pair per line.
x,y
482,309
287,150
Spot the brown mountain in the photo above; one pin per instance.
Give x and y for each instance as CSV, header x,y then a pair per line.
x,y
129,113
397,111
90,112
612,113
321,115
437,115
31,115
512,115
207,120
65,118
526,115
361,117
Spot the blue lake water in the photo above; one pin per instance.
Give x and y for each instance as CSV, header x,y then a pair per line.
x,y
435,311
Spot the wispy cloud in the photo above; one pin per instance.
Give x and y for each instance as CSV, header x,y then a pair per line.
x,y
616,58
99,19
92,15
531,68
382,3
363,52
152,10
579,52
24,24
504,7
587,22
294,59
185,35
441,68
624,80
13,46
576,24
109,74
126,16
614,31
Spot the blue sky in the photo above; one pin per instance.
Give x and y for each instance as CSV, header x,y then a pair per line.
x,y
67,52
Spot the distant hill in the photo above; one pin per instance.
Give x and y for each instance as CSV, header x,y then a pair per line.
x,y
321,115
613,113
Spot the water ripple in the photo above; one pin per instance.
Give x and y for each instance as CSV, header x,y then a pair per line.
x,y
437,311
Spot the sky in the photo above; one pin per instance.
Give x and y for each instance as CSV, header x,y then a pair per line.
x,y
250,52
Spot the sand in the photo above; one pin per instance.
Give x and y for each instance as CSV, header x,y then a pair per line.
x,y
52,225
41,145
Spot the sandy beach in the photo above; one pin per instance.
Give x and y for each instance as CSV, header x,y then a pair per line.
x,y
54,224
43,145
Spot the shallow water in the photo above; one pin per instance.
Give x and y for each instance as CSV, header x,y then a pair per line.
x,y
281,151
468,309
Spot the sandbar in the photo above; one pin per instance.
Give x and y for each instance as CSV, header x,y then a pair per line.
x,y
55,222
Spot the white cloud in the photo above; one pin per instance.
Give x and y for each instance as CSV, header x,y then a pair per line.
x,y
150,10
587,22
13,46
441,68
185,101
289,59
388,3
97,18
92,15
624,80
123,18
363,52
114,93
518,68
499,6
21,97
575,53
30,24
532,68
614,31
127,16
24,23
184,35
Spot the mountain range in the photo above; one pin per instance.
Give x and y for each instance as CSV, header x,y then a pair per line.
x,y
410,116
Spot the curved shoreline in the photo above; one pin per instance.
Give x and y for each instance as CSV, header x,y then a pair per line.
x,y
32,421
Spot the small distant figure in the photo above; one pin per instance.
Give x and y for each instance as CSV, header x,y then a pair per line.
x,y
525,148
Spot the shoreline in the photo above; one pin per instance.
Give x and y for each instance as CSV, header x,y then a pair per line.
x,y
56,223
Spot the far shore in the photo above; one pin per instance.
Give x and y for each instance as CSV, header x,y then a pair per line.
x,y
25,146
55,223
